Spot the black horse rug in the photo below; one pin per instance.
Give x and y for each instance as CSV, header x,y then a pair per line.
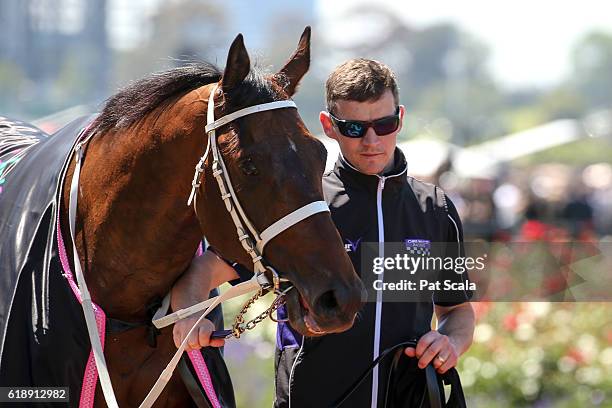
x,y
43,336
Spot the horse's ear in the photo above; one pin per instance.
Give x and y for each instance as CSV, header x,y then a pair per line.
x,y
238,65
298,64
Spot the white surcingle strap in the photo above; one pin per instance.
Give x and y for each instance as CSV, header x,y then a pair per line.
x,y
86,302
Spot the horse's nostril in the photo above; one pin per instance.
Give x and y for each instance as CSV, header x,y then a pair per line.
x,y
327,302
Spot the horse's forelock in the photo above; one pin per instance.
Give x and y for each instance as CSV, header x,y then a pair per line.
x,y
257,88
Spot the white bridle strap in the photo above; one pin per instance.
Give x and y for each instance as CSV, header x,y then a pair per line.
x,y
227,190
166,374
246,111
163,320
229,196
290,220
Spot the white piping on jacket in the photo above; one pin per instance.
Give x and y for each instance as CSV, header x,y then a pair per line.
x,y
458,246
293,370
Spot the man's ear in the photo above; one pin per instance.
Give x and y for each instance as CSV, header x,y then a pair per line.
x,y
402,113
327,125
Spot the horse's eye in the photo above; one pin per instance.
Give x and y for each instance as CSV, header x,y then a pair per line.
x,y
248,167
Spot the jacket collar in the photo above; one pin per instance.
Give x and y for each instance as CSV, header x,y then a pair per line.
x,y
350,175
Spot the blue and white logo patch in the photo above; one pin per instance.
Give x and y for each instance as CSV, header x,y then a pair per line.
x,y
418,246
351,246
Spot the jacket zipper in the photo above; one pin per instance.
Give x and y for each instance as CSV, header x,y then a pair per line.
x,y
381,253
379,304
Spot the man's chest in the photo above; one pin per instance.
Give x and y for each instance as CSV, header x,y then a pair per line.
x,y
394,219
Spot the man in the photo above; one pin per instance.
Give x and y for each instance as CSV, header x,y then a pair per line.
x,y
371,199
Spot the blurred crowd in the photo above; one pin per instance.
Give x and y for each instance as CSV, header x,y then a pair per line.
x,y
543,202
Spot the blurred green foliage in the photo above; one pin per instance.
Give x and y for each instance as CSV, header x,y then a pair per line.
x,y
536,354
540,355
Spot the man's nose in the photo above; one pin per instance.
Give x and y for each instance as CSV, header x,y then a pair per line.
x,y
370,138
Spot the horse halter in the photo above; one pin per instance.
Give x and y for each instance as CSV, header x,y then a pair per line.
x,y
232,204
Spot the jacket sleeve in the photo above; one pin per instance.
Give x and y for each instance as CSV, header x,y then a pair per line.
x,y
243,273
455,249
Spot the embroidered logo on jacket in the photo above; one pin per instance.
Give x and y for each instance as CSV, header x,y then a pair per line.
x,y
352,245
418,246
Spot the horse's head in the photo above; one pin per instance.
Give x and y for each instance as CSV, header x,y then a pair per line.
x,y
275,166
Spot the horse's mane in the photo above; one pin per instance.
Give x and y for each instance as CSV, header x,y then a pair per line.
x,y
134,102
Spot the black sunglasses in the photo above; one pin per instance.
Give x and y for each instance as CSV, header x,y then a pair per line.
x,y
356,128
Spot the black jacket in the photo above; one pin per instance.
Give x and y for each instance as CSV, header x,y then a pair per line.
x,y
314,372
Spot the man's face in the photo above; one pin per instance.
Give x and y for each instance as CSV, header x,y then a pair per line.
x,y
371,153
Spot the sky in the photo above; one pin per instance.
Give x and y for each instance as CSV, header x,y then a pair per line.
x,y
530,40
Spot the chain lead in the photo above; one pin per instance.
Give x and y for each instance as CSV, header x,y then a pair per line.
x,y
240,326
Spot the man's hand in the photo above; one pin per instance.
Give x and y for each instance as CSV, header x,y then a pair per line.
x,y
205,273
452,339
435,347
200,337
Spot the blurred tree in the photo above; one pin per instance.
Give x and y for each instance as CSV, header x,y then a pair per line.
x,y
436,55
449,75
578,153
561,102
442,73
12,84
281,37
183,30
72,86
523,117
592,69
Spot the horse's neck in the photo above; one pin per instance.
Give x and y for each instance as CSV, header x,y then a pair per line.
x,y
138,235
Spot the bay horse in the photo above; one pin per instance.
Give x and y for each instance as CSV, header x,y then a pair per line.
x,y
135,235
